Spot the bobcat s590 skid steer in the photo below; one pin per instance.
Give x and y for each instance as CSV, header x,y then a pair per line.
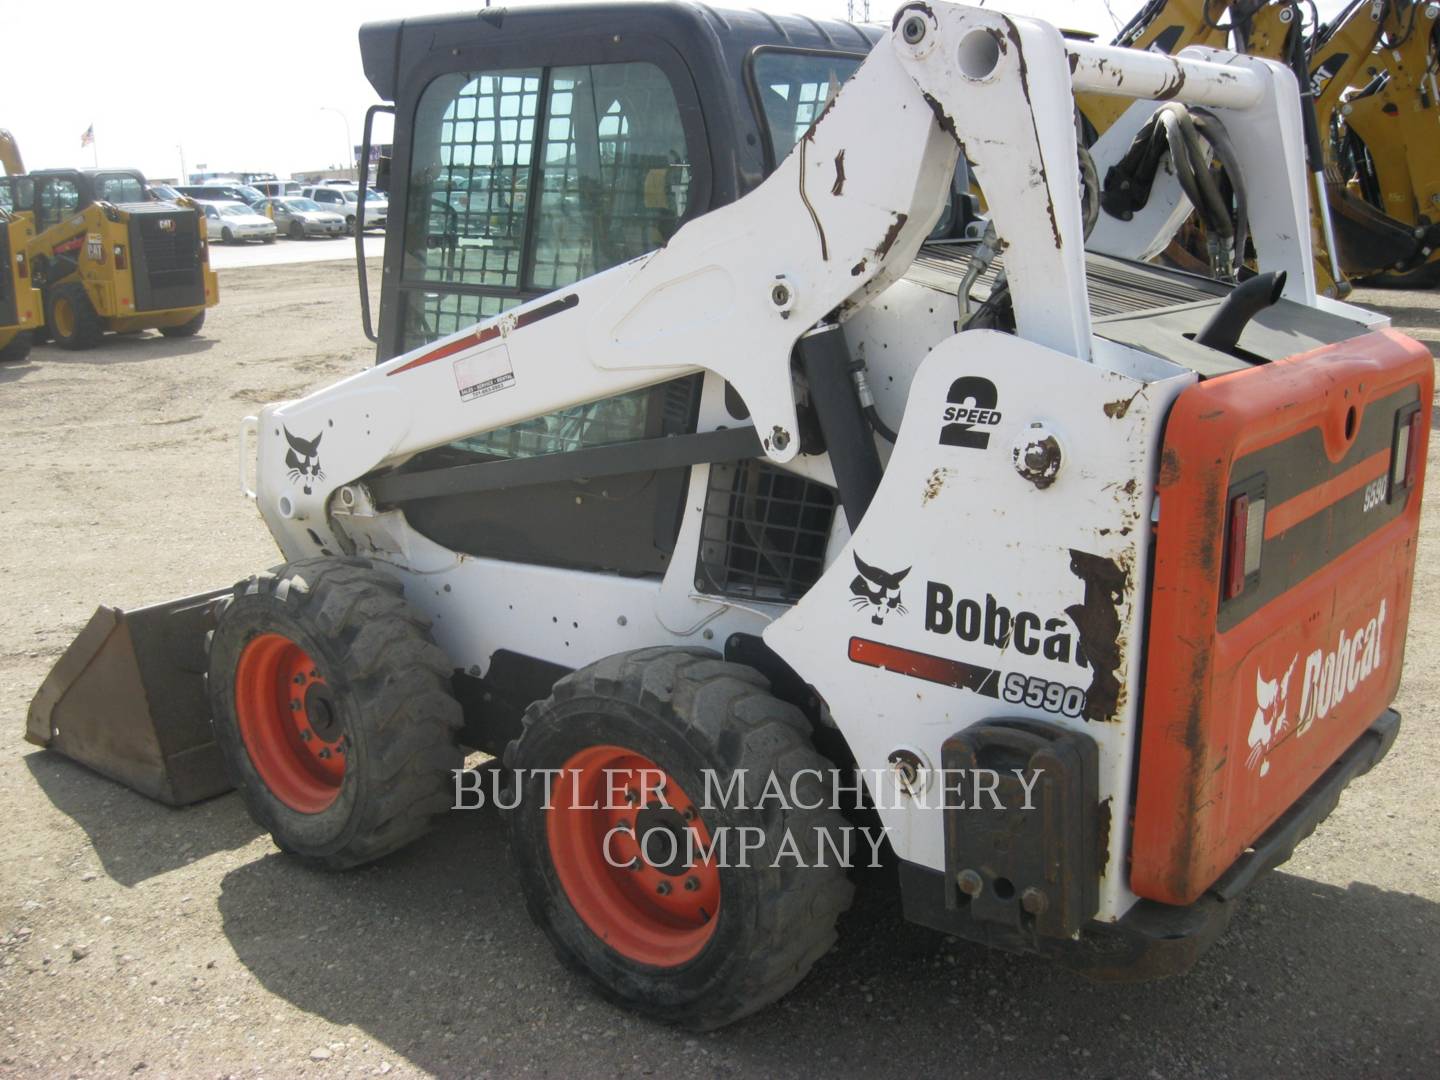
x,y
1105,631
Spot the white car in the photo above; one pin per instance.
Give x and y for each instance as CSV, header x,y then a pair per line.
x,y
345,199
232,222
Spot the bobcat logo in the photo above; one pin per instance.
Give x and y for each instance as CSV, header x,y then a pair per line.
x,y
1272,701
877,591
303,459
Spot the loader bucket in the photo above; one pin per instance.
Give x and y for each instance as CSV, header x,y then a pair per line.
x,y
127,699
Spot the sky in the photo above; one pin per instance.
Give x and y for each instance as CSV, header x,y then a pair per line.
x,y
268,87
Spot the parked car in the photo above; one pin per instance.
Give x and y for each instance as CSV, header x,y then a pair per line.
x,y
345,200
275,188
236,192
232,222
298,218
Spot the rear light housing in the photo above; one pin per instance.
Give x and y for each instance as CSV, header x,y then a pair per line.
x,y
1407,450
22,268
1244,537
120,260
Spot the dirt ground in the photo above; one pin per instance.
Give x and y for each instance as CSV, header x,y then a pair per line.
x,y
136,939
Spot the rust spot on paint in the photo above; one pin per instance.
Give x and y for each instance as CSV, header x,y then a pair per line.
x,y
888,240
1097,621
839,186
858,268
1117,409
934,485
1169,467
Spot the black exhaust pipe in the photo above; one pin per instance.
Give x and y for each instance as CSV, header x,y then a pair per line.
x,y
1245,301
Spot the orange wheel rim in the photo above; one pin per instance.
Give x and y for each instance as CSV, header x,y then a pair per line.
x,y
633,856
290,723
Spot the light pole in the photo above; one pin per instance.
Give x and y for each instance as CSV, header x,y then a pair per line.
x,y
349,145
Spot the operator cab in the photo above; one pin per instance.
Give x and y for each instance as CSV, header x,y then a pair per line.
x,y
56,194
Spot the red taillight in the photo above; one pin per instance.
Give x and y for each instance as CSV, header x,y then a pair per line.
x,y
1407,452
120,263
1244,536
1235,547
1414,451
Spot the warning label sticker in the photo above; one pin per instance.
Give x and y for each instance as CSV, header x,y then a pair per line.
x,y
484,372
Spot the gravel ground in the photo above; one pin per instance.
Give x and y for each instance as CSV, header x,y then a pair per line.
x,y
137,939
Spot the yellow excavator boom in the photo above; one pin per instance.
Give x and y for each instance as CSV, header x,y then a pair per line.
x,y
10,158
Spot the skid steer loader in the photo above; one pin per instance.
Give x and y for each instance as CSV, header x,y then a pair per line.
x,y
107,258
1093,643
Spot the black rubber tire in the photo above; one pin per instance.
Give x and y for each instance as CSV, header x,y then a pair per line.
x,y
89,328
350,224
269,239
226,236
17,349
186,329
391,685
688,710
296,231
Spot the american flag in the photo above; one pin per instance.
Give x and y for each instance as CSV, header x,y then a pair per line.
x,y
88,137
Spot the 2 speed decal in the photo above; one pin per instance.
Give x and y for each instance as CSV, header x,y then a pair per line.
x,y
970,413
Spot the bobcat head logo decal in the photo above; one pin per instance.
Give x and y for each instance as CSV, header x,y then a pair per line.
x,y
303,459
1272,702
877,591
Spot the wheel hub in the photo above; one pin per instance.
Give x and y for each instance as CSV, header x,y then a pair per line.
x,y
634,856
290,723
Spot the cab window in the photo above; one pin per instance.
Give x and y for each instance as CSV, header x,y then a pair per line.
x,y
57,198
528,179
119,188
793,87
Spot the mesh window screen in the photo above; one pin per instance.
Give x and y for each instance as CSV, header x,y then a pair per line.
x,y
764,532
474,145
615,174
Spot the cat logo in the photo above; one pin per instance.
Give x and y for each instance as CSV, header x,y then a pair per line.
x,y
302,460
1272,716
166,224
969,410
877,591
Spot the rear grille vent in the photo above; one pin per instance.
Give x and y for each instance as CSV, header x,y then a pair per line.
x,y
764,533
166,260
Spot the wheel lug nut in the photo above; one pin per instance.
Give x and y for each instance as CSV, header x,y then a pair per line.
x,y
295,705
632,797
325,753
307,734
688,813
692,883
663,888
299,680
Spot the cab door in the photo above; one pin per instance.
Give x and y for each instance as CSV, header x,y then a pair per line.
x,y
521,173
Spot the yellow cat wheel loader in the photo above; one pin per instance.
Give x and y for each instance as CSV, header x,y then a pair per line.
x,y
760,529
107,258
20,305
19,300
